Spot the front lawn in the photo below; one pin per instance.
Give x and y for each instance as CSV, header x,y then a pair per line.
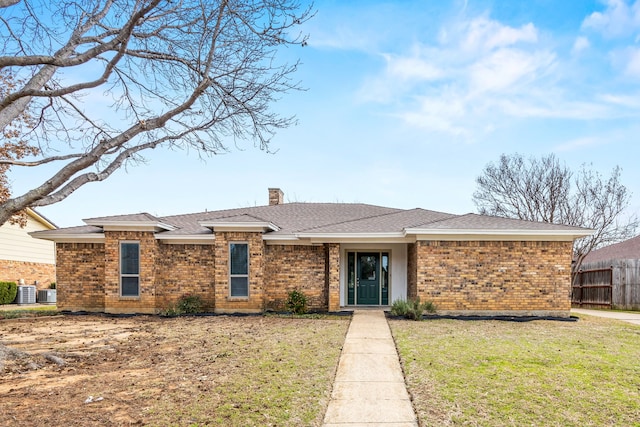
x,y
221,370
541,373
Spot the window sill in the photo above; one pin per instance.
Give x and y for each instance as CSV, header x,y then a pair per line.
x,y
128,298
237,298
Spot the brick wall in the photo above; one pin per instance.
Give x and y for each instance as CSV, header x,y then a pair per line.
x,y
255,302
333,275
13,271
149,248
182,269
412,271
289,267
495,276
80,276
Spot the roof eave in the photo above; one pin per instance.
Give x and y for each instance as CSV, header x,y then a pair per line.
x,y
131,225
68,237
41,219
258,226
381,237
201,239
493,234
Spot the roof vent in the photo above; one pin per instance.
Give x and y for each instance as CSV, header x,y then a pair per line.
x,y
276,196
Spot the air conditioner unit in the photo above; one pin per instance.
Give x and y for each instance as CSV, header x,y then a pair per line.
x,y
47,296
26,294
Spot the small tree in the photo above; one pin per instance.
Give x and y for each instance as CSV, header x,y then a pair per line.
x,y
547,190
187,74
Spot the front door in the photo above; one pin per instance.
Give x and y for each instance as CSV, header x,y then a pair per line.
x,y
368,278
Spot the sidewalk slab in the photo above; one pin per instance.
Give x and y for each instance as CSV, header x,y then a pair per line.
x,y
369,388
618,315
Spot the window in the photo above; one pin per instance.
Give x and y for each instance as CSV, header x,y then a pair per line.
x,y
238,269
129,269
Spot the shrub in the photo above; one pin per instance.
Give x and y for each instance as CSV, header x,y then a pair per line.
x,y
399,308
297,302
187,304
412,309
8,292
52,285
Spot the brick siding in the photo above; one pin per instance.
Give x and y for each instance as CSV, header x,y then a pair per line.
x,y
492,276
333,275
13,271
80,276
495,276
291,267
146,301
412,271
185,269
256,300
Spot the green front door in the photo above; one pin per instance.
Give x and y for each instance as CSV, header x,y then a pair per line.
x,y
368,278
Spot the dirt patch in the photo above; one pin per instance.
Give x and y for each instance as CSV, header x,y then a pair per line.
x,y
96,370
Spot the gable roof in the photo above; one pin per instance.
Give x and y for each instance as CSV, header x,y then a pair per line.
x,y
629,249
37,216
322,222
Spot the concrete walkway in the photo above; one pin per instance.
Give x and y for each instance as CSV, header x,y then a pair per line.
x,y
369,387
630,317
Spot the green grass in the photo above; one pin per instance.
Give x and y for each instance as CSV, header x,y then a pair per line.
x,y
543,373
36,311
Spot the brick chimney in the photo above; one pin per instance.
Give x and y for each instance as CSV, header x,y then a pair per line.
x,y
276,196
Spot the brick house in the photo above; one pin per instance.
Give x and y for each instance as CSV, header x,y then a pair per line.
x,y
340,255
23,258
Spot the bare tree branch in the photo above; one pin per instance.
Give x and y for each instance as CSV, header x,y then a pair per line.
x,y
192,73
546,190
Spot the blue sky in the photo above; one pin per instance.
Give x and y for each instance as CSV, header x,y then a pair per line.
x,y
407,101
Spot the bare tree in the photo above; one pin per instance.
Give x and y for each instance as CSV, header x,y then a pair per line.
x,y
14,146
548,191
177,74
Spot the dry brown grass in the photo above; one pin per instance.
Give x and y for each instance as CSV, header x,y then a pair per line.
x,y
184,371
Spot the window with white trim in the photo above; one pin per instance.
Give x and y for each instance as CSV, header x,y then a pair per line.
x,y
130,269
238,269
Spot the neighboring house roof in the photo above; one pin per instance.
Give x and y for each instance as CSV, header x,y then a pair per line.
x,y
321,222
629,249
37,216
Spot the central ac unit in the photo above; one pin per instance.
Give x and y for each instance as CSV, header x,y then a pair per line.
x,y
47,296
26,294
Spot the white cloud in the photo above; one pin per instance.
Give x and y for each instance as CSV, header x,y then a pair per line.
x,y
459,85
483,34
627,60
632,68
503,69
442,114
620,19
581,44
629,101
482,75
411,68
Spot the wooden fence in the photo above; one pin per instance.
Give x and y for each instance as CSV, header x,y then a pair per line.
x,y
593,288
613,284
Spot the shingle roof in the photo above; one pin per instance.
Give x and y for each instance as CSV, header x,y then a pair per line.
x,y
485,222
137,217
629,249
289,217
385,223
316,219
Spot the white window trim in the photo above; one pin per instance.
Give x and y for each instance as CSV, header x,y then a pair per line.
x,y
240,297
121,275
